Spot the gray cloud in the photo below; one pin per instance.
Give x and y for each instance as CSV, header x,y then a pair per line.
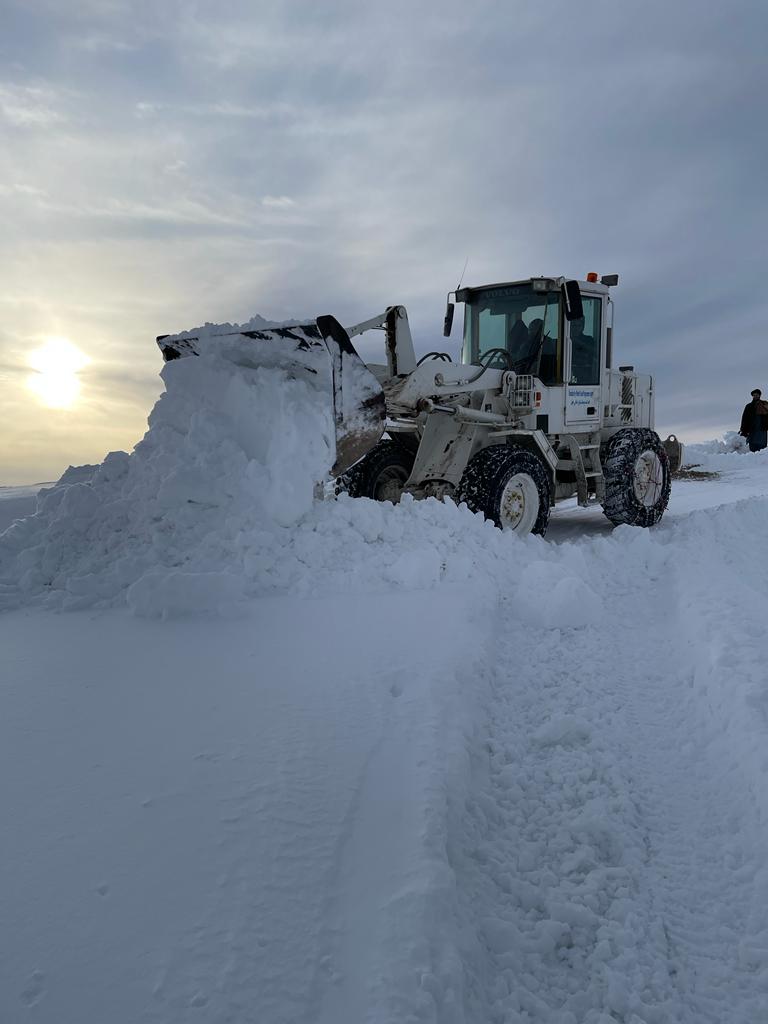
x,y
166,164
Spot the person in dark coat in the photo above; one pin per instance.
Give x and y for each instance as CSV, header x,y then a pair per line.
x,y
754,422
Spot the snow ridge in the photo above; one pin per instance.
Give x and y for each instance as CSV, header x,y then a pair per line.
x,y
612,860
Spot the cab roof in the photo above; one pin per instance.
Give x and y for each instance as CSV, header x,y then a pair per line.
x,y
547,284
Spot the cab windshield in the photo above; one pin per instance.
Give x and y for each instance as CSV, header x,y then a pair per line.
x,y
515,327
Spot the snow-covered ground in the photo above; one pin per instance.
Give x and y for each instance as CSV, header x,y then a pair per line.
x,y
342,762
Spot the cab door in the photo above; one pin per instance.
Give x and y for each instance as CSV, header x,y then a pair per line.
x,y
584,353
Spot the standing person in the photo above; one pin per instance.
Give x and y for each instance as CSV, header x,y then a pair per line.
x,y
754,422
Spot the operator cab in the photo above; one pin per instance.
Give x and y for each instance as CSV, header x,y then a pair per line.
x,y
522,326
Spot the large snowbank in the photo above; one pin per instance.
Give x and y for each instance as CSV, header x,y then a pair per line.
x,y
189,519
215,505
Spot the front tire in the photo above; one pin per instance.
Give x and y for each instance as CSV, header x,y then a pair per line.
x,y
381,474
510,486
637,478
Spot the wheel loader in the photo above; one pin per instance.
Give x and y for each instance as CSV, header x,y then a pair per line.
x,y
533,413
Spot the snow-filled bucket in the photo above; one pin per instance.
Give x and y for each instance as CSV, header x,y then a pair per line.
x,y
320,353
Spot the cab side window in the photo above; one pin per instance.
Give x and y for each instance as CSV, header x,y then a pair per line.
x,y
585,344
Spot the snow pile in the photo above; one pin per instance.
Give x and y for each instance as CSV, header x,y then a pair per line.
x,y
215,506
731,441
728,455
229,461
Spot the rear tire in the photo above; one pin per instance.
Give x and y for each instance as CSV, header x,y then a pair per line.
x,y
510,486
380,475
637,478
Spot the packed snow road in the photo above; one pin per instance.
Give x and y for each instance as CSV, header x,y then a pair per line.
x,y
202,824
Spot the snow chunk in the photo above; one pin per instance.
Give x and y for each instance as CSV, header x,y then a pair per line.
x,y
553,600
500,936
563,730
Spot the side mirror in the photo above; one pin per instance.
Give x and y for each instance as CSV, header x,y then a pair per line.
x,y
572,300
448,321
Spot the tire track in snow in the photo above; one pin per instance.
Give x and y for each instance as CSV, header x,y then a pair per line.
x,y
389,914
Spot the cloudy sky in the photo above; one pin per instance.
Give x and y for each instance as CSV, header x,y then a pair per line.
x,y
165,163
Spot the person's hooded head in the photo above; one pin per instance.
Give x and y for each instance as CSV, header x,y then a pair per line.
x,y
535,328
756,395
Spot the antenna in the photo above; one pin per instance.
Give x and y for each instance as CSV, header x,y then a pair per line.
x,y
466,261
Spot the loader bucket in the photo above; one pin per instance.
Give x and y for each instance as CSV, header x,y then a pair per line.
x,y
359,408
675,453
320,353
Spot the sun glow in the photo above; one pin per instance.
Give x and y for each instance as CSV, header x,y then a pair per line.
x,y
56,365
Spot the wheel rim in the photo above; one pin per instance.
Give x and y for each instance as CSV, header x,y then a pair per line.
x,y
648,478
519,505
389,484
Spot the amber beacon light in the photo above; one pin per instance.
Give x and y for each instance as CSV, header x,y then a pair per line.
x,y
592,277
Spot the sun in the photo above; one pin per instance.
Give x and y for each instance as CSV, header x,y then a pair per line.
x,y
56,365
